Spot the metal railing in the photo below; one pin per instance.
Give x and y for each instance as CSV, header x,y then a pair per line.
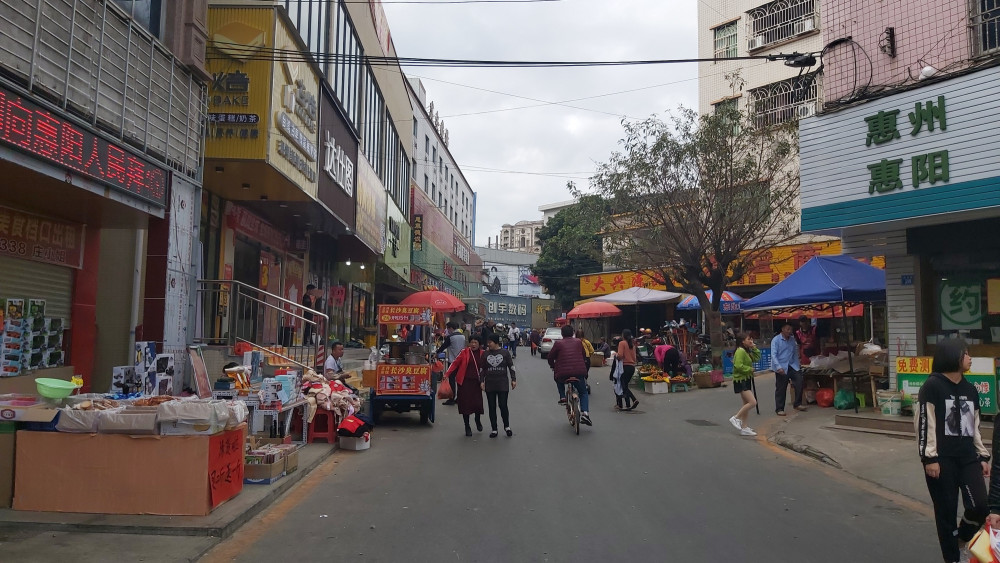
x,y
786,100
780,20
984,22
233,312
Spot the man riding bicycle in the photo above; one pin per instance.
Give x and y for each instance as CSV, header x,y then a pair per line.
x,y
569,360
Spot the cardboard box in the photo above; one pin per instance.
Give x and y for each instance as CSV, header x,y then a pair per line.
x,y
264,473
182,428
7,438
369,378
291,462
118,474
34,413
362,443
131,422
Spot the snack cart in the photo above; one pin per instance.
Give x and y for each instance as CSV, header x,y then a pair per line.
x,y
403,379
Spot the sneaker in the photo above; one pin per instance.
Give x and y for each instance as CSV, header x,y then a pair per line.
x,y
736,422
562,401
747,431
585,419
801,408
780,413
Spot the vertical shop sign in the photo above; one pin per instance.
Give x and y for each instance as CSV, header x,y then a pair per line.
x,y
418,232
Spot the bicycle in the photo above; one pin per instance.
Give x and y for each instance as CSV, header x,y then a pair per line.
x,y
573,403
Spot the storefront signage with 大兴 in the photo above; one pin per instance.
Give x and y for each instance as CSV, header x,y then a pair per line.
x,y
28,127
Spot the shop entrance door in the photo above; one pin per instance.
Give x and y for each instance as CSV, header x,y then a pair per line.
x,y
246,269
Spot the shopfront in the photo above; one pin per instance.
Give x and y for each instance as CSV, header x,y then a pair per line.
x,y
914,177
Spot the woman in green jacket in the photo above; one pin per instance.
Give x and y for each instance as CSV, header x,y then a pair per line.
x,y
746,354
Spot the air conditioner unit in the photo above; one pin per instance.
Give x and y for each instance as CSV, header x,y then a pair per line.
x,y
805,110
803,26
756,42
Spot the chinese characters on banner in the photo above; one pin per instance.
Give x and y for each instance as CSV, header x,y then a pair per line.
x,y
403,379
225,465
403,314
505,309
33,237
931,167
912,372
418,232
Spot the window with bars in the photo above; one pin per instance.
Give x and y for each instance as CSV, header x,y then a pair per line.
x,y
786,100
725,40
780,20
985,26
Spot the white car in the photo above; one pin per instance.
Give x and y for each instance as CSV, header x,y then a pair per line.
x,y
549,338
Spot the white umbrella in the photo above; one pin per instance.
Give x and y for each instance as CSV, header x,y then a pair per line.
x,y
637,295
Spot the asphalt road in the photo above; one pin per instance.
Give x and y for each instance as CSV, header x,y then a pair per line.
x,y
671,481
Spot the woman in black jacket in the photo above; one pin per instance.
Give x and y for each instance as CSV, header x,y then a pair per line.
x,y
951,446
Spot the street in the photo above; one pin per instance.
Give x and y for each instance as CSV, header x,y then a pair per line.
x,y
670,481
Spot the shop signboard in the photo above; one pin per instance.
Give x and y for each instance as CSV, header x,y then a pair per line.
x,y
539,307
339,155
768,268
418,233
911,154
41,239
505,309
239,94
961,305
371,209
912,372
242,220
397,237
403,314
295,110
27,127
403,379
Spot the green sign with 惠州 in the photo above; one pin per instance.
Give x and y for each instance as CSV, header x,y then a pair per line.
x,y
931,167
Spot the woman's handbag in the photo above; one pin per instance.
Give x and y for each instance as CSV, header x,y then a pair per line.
x,y
445,391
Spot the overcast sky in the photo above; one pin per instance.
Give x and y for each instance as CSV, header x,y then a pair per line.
x,y
515,146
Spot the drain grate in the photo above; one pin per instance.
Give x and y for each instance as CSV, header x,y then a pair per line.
x,y
698,422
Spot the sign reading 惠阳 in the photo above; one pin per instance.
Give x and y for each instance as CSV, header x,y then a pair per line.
x,y
930,167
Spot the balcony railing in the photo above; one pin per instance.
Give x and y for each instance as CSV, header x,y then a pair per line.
x,y
984,24
92,60
777,21
778,102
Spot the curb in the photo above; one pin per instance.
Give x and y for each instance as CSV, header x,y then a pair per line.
x,y
220,531
785,440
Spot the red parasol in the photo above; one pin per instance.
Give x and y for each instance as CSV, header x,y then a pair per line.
x,y
438,301
594,310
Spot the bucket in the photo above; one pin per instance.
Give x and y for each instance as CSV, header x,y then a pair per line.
x,y
889,402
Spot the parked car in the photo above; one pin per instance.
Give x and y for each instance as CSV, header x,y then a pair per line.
x,y
549,338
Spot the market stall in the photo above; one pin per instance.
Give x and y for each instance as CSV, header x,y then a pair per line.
x,y
826,283
403,380
636,296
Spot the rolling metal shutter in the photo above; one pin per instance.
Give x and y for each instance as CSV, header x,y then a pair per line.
x,y
25,279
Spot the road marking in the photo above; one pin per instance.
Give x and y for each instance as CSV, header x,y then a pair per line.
x,y
249,533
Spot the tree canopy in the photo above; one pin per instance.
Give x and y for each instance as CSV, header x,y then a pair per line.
x,y
570,247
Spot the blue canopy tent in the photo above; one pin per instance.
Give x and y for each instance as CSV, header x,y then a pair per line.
x,y
825,282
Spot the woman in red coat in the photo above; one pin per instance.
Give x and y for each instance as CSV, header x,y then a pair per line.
x,y
469,393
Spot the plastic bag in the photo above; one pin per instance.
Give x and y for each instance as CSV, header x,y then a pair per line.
x,y
843,400
985,545
444,390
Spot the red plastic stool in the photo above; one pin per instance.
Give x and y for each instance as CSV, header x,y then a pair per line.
x,y
327,430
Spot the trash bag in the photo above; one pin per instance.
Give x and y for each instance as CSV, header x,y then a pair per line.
x,y
444,390
824,397
843,400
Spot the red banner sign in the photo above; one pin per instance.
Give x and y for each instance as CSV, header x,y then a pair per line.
x,y
41,239
26,126
225,465
403,314
244,221
403,379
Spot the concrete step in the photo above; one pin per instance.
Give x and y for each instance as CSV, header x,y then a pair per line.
x,y
890,433
875,422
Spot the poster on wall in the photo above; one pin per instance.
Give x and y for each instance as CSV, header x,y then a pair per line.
x,y
961,305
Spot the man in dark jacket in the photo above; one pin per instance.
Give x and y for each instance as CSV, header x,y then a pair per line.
x,y
567,359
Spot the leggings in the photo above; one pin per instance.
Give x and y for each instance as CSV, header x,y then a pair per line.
x,y
627,397
958,477
492,397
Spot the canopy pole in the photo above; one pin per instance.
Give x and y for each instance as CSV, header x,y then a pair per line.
x,y
850,358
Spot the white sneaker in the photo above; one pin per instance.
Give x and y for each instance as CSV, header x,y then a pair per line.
x,y
748,431
737,423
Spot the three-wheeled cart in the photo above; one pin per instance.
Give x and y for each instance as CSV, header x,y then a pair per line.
x,y
403,381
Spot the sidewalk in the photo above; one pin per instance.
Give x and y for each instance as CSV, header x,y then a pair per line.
x,y
887,461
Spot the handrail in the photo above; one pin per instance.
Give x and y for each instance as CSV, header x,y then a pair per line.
x,y
259,290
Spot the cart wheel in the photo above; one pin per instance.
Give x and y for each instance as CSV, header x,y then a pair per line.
x,y
425,415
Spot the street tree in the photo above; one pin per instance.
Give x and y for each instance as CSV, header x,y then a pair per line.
x,y
570,246
698,199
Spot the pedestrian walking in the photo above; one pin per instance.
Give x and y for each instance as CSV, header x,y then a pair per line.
x,y
626,355
566,358
588,348
466,369
952,450
536,340
743,360
514,337
452,346
497,363
785,361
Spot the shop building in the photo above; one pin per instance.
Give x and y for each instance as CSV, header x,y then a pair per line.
x,y
912,173
101,160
